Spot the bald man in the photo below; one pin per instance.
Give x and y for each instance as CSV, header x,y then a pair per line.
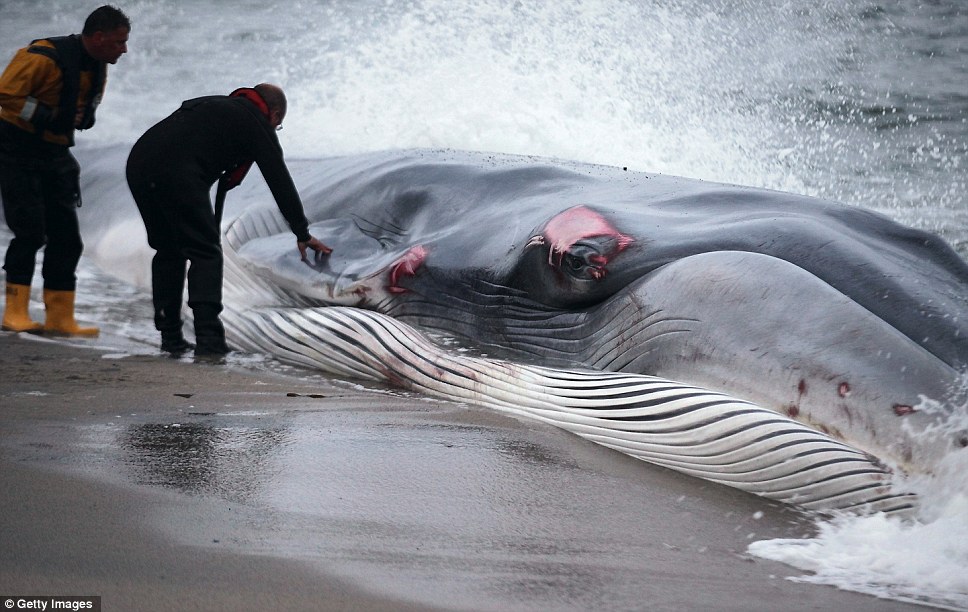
x,y
170,172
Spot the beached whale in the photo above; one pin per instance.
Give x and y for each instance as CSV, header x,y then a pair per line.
x,y
835,319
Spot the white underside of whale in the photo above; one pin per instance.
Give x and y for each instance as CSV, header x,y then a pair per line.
x,y
694,431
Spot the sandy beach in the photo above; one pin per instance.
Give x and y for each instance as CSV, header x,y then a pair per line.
x,y
159,483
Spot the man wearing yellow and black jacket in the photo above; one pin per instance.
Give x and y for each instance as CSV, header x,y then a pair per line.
x,y
50,88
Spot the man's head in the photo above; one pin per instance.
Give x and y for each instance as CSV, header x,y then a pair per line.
x,y
275,99
105,34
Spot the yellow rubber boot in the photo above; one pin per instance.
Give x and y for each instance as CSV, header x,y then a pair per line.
x,y
60,315
16,315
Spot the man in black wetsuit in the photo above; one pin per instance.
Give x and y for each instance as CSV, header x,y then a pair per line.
x,y
170,172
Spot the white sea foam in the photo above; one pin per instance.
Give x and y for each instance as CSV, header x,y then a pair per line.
x,y
920,560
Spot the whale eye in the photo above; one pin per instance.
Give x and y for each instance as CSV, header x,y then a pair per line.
x,y
568,262
583,262
572,263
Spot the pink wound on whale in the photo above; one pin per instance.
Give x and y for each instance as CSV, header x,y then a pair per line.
x,y
575,224
406,265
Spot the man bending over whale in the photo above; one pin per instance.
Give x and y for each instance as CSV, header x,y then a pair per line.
x,y
170,172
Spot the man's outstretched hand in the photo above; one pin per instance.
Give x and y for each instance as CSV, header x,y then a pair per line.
x,y
321,250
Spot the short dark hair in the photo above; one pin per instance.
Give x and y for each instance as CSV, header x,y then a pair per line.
x,y
105,19
274,97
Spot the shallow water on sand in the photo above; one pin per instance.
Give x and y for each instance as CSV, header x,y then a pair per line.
x,y
433,501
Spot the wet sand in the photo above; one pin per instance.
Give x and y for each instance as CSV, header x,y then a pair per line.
x,y
165,484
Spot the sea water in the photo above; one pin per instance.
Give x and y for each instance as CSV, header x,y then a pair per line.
x,y
856,101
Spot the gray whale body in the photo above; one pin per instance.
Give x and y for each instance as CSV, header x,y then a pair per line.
x,y
835,316
834,320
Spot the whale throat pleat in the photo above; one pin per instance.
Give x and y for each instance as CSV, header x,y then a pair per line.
x,y
685,428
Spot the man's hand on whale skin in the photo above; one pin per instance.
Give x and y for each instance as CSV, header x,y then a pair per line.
x,y
321,250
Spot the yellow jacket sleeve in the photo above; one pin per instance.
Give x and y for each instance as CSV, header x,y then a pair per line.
x,y
30,90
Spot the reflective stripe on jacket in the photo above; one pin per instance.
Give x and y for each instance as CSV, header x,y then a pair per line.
x,y
32,85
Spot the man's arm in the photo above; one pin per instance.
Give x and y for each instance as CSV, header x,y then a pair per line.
x,y
273,167
268,156
29,90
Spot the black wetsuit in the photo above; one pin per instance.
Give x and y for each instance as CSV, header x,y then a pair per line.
x,y
170,172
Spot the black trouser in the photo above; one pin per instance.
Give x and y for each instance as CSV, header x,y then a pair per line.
x,y
39,184
182,229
